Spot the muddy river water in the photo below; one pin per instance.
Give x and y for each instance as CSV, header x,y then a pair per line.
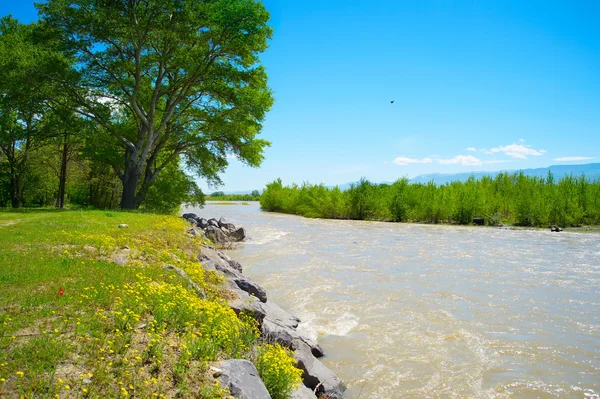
x,y
431,311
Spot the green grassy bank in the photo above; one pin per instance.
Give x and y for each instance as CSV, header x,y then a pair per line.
x,y
88,310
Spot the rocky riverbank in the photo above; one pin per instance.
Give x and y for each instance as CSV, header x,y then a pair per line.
x,y
276,325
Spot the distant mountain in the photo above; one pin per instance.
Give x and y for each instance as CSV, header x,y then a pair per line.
x,y
591,171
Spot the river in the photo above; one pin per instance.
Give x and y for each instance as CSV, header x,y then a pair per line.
x,y
434,311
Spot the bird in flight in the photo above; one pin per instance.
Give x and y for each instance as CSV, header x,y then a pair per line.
x,y
391,102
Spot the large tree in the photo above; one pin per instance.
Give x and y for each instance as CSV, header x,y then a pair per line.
x,y
167,79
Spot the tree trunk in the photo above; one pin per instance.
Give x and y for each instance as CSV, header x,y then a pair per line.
x,y
15,191
130,181
63,175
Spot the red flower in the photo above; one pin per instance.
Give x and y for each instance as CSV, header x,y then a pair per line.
x,y
61,292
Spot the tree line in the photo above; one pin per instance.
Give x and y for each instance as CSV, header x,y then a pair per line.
x,y
507,198
221,196
122,104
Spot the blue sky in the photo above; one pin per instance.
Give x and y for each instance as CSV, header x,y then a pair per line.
x,y
476,86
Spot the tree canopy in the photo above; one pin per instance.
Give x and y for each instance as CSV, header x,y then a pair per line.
x,y
117,102
166,79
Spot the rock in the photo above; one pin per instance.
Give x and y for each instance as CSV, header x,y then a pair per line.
x,y
216,372
216,235
228,227
192,232
556,229
202,223
302,393
478,221
288,336
242,380
221,221
245,303
213,222
238,234
251,288
189,216
235,265
316,376
280,316
123,226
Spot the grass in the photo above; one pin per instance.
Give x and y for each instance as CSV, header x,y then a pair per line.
x,y
88,310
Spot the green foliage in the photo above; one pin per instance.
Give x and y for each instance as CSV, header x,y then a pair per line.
x,y
117,330
277,369
166,78
508,198
173,188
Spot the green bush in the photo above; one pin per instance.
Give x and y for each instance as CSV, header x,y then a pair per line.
x,y
277,369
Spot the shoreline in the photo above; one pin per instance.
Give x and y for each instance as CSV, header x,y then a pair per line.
x,y
581,229
276,325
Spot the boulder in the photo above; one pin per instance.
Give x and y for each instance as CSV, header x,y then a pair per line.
x,y
238,234
202,223
288,336
316,376
216,235
245,284
280,316
245,303
123,226
228,227
302,393
189,216
556,229
235,265
479,221
242,380
213,222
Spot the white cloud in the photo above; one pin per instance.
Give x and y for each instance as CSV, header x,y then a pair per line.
x,y
517,151
464,160
406,161
472,149
571,159
521,140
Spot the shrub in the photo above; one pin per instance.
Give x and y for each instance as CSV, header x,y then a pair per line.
x,y
278,370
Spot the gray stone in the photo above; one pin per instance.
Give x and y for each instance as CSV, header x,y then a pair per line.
x,y
214,223
202,223
216,235
288,336
315,375
228,227
189,216
235,265
251,288
245,303
238,234
123,226
302,393
192,232
280,316
242,380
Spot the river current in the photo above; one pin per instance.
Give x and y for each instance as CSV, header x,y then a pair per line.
x,y
433,311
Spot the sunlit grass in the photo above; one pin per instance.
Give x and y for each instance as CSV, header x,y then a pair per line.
x,y
123,326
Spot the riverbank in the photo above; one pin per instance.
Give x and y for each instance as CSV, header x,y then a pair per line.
x,y
117,304
508,199
275,324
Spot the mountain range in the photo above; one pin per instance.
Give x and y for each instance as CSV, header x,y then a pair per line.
x,y
591,171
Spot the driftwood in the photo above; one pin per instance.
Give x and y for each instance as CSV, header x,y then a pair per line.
x,y
183,274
